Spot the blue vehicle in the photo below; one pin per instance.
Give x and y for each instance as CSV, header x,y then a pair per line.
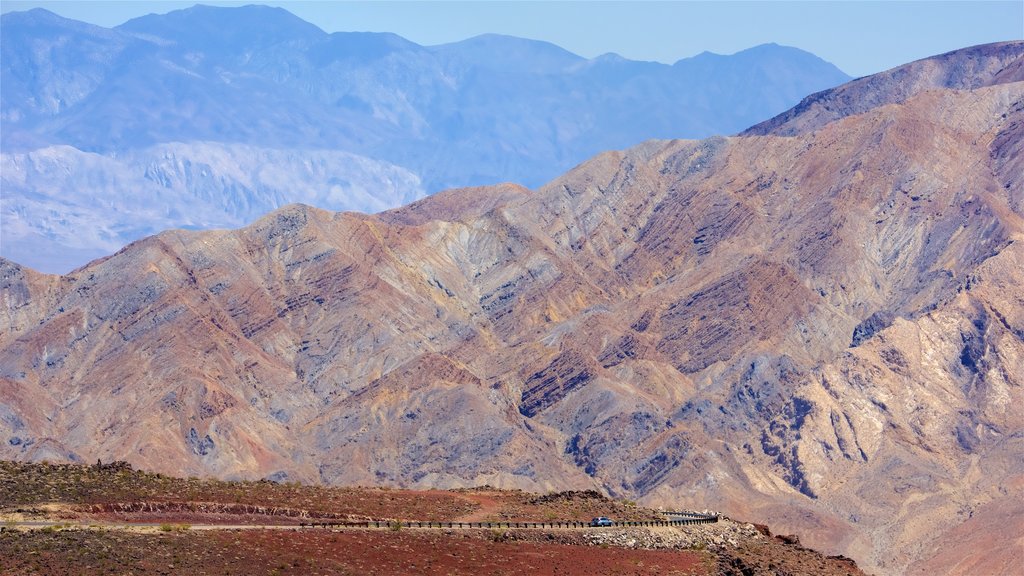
x,y
601,521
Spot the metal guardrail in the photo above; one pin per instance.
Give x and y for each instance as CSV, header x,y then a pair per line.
x,y
690,514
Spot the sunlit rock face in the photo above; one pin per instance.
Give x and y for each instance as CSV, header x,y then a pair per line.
x,y
823,329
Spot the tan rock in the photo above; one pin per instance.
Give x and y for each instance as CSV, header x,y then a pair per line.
x,y
671,323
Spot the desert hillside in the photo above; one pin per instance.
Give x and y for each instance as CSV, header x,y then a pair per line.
x,y
823,331
107,518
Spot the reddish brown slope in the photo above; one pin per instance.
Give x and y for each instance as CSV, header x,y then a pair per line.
x,y
672,323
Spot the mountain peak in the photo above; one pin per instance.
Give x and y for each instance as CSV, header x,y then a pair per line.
x,y
768,46
965,69
37,18
774,49
499,50
33,15
766,50
250,25
487,109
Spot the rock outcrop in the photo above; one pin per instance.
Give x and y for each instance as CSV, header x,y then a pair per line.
x,y
672,323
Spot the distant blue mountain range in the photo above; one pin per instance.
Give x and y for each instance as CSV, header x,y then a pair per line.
x,y
210,117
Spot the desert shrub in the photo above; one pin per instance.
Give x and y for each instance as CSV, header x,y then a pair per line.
x,y
167,527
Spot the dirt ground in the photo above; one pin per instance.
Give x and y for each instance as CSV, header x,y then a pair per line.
x,y
321,552
479,505
115,495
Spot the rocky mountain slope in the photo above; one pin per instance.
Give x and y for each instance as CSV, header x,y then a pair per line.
x,y
236,93
965,69
824,330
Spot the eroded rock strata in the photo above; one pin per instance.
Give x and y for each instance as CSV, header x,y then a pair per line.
x,y
824,330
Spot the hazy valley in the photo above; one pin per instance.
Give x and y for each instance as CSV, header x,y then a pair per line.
x,y
194,120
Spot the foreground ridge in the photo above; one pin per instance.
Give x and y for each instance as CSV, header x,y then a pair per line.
x,y
97,538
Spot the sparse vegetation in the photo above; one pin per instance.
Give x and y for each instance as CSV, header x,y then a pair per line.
x,y
85,552
175,548
28,484
107,488
167,527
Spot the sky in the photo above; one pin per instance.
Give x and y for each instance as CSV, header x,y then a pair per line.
x,y
859,37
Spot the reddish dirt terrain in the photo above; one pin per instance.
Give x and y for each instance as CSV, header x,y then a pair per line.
x,y
115,492
87,496
483,505
316,552
517,506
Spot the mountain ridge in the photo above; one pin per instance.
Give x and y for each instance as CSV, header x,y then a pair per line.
x,y
820,329
967,68
475,112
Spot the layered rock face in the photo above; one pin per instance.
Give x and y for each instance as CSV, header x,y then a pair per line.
x,y
823,330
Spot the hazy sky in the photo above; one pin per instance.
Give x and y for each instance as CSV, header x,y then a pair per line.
x,y
859,37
